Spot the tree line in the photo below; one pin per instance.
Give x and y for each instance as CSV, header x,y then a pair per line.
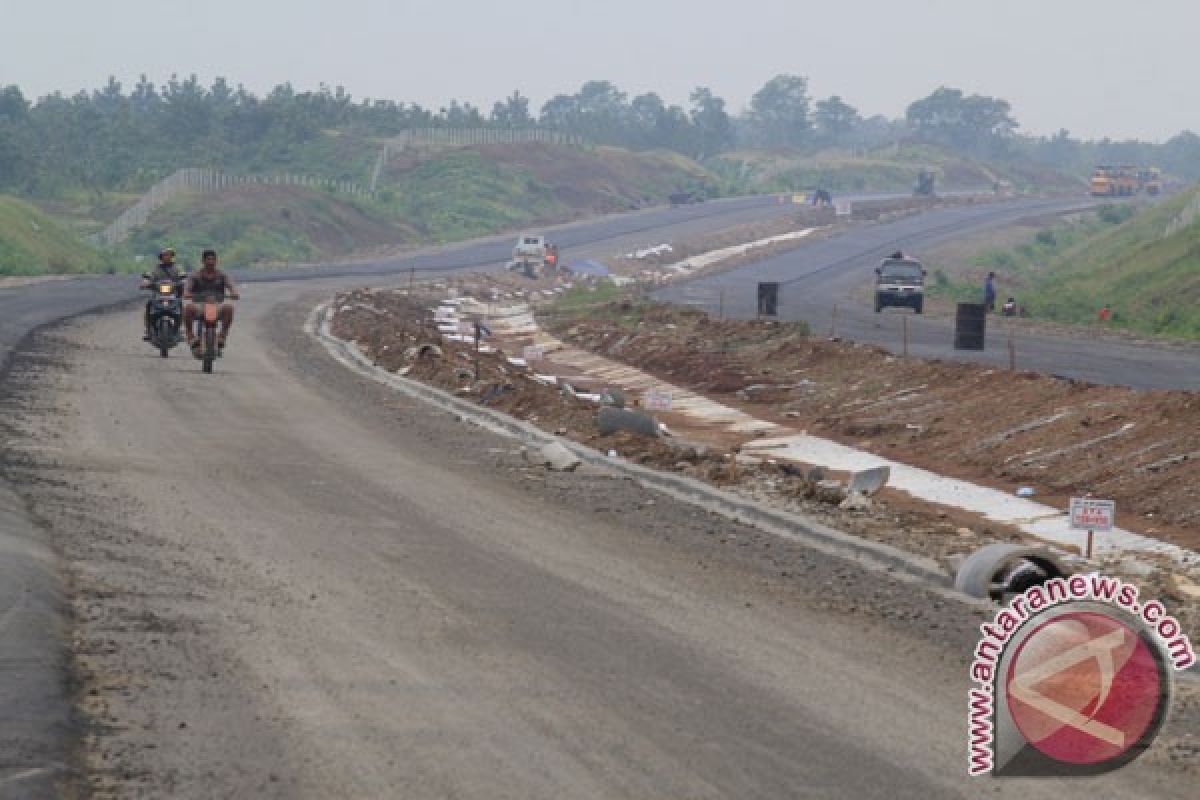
x,y
117,139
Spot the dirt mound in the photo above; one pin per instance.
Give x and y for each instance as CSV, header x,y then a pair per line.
x,y
854,393
1004,429
256,223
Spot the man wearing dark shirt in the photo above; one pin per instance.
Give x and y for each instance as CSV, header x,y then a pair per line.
x,y
989,292
208,284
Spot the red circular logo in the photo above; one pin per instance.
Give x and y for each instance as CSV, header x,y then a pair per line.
x,y
1085,688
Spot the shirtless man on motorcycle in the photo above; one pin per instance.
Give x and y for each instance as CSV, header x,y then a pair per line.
x,y
208,282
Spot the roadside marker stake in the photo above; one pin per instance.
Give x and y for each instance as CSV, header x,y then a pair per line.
x,y
905,318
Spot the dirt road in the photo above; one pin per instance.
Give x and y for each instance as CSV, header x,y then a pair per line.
x,y
289,583
31,693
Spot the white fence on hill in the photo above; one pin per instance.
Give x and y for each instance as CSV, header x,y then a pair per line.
x,y
466,137
195,179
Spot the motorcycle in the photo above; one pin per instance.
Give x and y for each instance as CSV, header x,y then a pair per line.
x,y
165,316
206,332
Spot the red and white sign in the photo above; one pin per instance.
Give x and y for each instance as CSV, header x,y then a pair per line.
x,y
1090,514
656,401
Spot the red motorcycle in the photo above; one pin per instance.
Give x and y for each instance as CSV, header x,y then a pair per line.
x,y
206,332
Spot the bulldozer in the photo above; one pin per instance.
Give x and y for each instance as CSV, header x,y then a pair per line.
x,y
1110,181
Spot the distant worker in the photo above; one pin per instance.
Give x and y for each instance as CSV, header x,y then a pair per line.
x,y
1105,313
1010,307
204,284
989,292
166,270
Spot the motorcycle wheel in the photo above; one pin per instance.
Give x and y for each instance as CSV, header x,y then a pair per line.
x,y
210,348
164,336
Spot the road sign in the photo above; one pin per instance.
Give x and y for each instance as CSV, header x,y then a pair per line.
x,y
656,401
1091,514
533,352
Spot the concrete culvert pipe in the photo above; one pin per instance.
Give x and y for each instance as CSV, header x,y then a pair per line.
x,y
999,570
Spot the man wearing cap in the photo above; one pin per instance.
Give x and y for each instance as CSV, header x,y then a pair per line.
x,y
165,270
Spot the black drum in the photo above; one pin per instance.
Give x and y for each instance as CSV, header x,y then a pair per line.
x,y
970,326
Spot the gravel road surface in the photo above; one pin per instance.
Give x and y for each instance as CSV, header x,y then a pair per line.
x,y
284,581
32,701
288,582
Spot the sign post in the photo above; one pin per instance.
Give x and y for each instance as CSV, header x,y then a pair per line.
x,y
654,400
1092,514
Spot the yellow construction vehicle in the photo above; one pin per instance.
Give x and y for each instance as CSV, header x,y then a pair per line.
x,y
1102,183
1108,181
1150,180
1127,181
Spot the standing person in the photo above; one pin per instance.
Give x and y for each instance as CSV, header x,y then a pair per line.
x,y
989,292
1105,313
207,283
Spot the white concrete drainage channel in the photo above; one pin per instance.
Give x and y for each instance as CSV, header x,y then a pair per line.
x,y
1049,524
1037,519
516,323
874,556
681,269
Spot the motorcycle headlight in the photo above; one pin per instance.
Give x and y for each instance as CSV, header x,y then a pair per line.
x,y
166,288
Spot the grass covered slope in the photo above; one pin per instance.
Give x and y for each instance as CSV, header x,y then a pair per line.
x,y
255,224
34,243
892,169
1145,265
424,196
1147,268
451,194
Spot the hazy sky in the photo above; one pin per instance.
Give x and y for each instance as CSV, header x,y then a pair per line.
x,y
1097,67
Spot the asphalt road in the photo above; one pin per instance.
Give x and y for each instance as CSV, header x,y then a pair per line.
x,y
286,582
24,308
832,272
289,582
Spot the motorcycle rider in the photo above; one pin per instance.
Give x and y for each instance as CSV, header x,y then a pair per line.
x,y
165,270
203,284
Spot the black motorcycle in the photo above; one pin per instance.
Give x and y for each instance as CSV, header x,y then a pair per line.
x,y
165,314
